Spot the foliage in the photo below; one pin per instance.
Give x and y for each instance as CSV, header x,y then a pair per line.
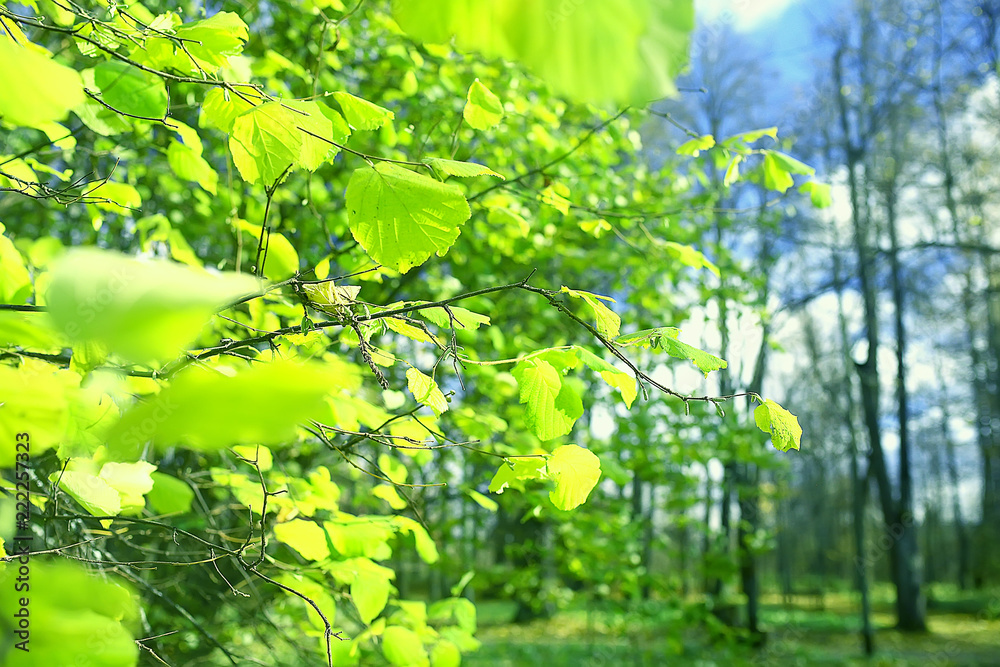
x,y
282,209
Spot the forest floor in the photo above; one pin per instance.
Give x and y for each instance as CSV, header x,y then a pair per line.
x,y
963,631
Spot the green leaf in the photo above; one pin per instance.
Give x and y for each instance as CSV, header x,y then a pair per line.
x,y
214,40
370,588
366,537
575,471
388,493
281,260
751,136
306,537
591,50
15,281
425,545
790,164
187,164
608,323
402,646
93,493
485,502
76,618
552,407
517,470
265,142
775,177
45,90
169,495
819,193
132,481
620,380
121,197
665,338
483,109
689,256
733,171
460,169
33,395
142,310
362,114
445,654
780,424
402,218
131,90
316,122
426,391
404,328
220,108
460,317
694,147
206,409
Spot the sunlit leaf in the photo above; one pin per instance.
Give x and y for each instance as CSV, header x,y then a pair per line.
x,y
131,90
551,406
608,323
401,218
142,310
483,109
306,537
46,90
781,424
575,471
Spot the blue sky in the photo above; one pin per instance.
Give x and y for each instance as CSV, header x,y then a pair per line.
x,y
785,31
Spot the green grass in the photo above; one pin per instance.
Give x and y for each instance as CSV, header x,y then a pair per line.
x,y
964,631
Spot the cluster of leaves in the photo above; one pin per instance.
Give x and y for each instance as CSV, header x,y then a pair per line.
x,y
130,373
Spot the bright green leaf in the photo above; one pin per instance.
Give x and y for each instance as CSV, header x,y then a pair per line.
x,y
552,406
45,90
402,646
694,147
780,424
142,310
188,165
131,480
665,338
575,471
130,90
306,537
281,260
402,218
169,495
221,107
15,281
775,176
362,114
214,40
485,502
517,470
93,493
186,412
483,109
819,193
426,391
608,323
265,142
460,169
318,127
592,50
425,545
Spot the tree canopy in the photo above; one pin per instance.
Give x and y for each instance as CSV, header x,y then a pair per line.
x,y
278,278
